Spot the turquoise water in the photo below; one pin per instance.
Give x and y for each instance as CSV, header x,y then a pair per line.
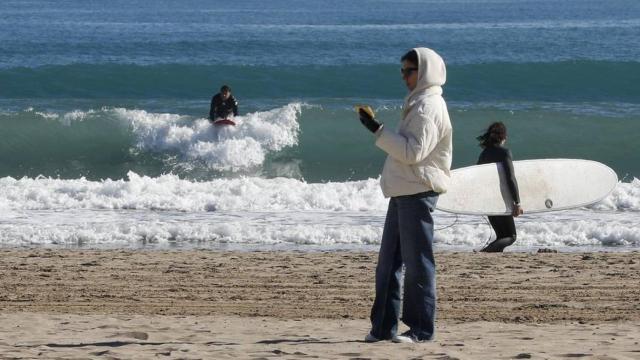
x,y
565,81
331,144
565,77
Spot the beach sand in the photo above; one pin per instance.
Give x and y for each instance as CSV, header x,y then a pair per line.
x,y
214,305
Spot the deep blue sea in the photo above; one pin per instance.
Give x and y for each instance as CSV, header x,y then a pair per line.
x,y
104,142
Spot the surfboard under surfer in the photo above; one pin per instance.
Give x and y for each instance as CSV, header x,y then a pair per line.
x,y
492,142
223,105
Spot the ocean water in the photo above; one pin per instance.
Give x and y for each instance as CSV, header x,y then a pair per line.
x,y
104,141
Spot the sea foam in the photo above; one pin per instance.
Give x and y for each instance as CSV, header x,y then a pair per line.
x,y
225,148
171,193
251,211
188,142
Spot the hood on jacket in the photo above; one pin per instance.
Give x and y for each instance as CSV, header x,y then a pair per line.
x,y
431,71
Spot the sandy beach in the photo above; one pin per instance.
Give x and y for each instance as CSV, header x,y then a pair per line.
x,y
206,304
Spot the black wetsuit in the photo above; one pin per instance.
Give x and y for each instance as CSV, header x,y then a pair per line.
x,y
221,109
504,226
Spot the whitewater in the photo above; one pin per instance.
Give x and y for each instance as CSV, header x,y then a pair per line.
x,y
104,141
192,141
243,209
254,213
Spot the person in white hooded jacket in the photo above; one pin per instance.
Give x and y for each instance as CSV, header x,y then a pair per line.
x,y
416,171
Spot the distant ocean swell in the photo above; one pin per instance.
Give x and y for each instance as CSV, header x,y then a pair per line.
x,y
581,80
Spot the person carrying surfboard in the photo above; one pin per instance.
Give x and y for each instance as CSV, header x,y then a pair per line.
x,y
416,171
223,104
492,142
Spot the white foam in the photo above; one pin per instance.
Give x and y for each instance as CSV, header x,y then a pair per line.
x,y
626,196
168,210
66,119
567,229
194,142
574,230
170,193
76,115
47,115
210,232
227,148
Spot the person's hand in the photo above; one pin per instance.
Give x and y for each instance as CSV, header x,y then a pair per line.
x,y
517,210
368,121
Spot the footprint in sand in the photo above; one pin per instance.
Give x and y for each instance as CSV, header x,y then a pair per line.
x,y
100,353
107,327
523,356
139,335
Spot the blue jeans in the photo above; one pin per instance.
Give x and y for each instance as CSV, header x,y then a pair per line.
x,y
407,239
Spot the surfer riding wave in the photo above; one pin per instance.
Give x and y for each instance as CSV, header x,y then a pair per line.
x,y
223,106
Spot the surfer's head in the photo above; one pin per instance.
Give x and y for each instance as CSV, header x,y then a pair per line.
x,y
423,68
496,134
225,91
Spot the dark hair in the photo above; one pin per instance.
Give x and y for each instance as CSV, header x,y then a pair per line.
x,y
411,56
225,88
494,135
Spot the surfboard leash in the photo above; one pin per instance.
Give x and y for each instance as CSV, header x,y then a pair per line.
x,y
448,226
486,220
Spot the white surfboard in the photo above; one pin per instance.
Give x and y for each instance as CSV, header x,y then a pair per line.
x,y
544,185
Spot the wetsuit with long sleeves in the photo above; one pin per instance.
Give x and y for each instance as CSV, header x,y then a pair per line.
x,y
504,226
221,109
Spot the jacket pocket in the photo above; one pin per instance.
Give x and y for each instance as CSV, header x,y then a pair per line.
x,y
433,177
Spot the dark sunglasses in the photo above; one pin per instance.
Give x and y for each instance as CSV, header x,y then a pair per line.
x,y
407,71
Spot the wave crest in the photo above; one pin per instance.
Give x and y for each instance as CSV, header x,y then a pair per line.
x,y
227,148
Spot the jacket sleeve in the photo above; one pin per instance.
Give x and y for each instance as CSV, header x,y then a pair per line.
x,y
212,109
512,183
412,145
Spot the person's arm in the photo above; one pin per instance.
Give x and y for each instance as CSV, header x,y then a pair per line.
x,y
212,109
512,183
415,144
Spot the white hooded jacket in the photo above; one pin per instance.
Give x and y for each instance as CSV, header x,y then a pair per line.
x,y
420,150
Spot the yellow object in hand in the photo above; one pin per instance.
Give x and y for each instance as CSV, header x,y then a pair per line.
x,y
365,108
